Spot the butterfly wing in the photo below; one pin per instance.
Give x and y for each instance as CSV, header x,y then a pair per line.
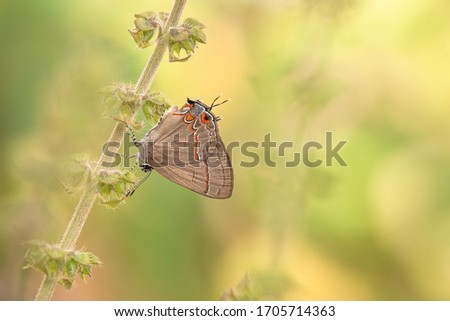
x,y
188,150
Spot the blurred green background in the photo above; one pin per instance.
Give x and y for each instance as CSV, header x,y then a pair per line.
x,y
373,72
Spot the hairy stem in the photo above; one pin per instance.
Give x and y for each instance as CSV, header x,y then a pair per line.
x,y
89,194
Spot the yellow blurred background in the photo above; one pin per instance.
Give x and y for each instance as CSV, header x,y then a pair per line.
x,y
375,73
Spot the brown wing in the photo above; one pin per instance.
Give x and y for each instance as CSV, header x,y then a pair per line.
x,y
190,153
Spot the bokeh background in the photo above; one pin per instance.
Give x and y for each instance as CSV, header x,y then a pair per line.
x,y
375,73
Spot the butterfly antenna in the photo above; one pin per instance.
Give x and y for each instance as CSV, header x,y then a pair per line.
x,y
223,102
214,101
133,136
139,183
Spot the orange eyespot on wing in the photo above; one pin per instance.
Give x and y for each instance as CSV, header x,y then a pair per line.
x,y
189,117
205,119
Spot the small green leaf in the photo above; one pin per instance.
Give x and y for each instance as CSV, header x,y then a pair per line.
x,y
109,177
146,15
173,58
73,172
198,35
66,283
146,109
125,111
126,94
177,47
113,204
147,37
193,23
188,46
71,268
105,191
86,258
178,34
153,106
36,257
137,124
93,259
82,258
52,267
54,252
85,270
136,34
121,187
130,177
143,24
163,16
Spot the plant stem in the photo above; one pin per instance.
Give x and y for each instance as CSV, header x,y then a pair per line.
x,y
89,194
149,72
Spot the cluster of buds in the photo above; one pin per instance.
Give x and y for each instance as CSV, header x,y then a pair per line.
x,y
125,101
113,186
148,28
55,262
185,37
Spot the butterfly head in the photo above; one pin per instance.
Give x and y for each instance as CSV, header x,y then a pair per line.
x,y
198,107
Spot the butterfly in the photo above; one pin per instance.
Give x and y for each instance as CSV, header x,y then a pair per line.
x,y
185,147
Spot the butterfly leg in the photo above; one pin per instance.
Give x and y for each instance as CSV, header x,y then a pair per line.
x,y
133,135
139,183
135,163
147,169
